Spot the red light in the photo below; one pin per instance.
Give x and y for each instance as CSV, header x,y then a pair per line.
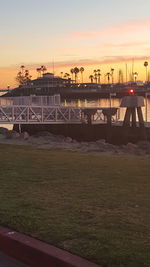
x,y
131,91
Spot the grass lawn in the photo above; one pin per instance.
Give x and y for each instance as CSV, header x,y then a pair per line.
x,y
96,206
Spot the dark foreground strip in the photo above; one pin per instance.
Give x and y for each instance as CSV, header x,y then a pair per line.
x,y
36,253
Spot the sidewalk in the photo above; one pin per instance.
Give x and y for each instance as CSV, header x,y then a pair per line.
x,y
37,253
6,261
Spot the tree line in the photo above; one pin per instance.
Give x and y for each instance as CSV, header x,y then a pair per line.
x,y
24,76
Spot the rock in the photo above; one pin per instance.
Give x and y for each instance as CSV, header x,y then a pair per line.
x,y
12,135
101,141
102,145
43,133
25,135
3,130
93,149
84,144
68,139
130,148
2,136
111,147
38,141
74,141
145,146
45,136
59,138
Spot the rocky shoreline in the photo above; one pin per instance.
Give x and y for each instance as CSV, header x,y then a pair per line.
x,y
46,140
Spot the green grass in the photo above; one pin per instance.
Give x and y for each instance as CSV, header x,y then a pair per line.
x,y
96,206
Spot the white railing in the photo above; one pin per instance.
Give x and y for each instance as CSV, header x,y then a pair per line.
x,y
23,114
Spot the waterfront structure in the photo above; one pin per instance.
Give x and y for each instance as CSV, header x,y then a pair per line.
x,y
49,110
86,124
49,84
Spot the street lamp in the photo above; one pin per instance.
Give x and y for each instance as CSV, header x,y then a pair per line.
x,y
135,74
146,65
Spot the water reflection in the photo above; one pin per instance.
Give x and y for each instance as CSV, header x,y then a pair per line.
x,y
102,102
106,102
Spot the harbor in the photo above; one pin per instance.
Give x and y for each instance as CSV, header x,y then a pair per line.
x,y
46,113
75,133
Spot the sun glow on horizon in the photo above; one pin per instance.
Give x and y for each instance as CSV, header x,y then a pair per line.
x,y
127,67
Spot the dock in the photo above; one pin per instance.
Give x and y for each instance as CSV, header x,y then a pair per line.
x,y
37,114
28,114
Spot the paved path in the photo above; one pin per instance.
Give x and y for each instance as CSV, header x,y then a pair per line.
x,y
6,261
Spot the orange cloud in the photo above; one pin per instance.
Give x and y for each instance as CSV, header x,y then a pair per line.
x,y
8,74
92,61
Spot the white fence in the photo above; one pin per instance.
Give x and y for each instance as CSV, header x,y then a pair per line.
x,y
22,114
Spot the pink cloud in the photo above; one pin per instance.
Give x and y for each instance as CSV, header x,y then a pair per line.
x,y
131,27
125,44
134,26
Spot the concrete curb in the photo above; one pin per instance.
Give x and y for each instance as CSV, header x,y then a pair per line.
x,y
37,253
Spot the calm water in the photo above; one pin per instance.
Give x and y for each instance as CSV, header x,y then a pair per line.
x,y
113,102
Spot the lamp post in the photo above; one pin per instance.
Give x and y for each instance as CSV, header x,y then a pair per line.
x,y
146,65
135,74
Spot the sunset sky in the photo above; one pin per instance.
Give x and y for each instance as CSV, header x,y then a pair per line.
x,y
89,33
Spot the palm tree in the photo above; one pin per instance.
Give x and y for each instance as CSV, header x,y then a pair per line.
x,y
27,76
66,75
19,78
108,76
112,75
39,72
26,72
99,75
72,72
23,77
95,77
76,71
91,77
69,79
22,68
146,65
82,70
43,69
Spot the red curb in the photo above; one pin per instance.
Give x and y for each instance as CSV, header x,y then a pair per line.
x,y
37,253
